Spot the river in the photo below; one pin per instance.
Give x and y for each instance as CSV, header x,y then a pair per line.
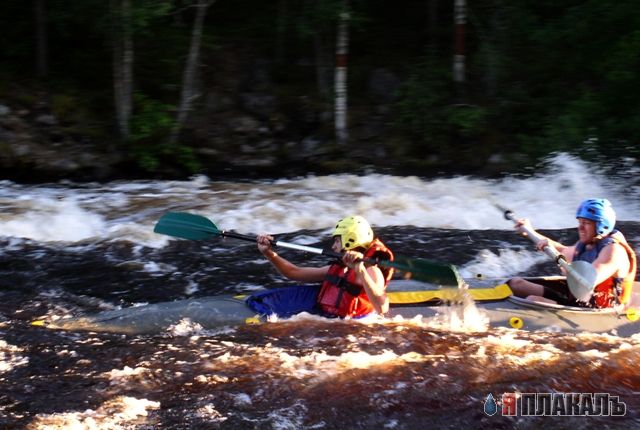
x,y
72,249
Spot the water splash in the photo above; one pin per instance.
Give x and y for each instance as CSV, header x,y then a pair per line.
x,y
505,263
462,316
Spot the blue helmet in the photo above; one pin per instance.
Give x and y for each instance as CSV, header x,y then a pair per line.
x,y
600,211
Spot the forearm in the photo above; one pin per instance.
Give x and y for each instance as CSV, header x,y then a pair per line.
x,y
557,245
375,289
294,272
542,241
282,265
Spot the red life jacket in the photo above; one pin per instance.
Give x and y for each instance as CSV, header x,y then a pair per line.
x,y
614,290
342,295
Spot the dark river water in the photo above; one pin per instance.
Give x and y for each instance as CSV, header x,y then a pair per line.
x,y
72,249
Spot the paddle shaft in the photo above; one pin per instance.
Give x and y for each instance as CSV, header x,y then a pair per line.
x,y
196,227
532,235
329,253
549,250
281,244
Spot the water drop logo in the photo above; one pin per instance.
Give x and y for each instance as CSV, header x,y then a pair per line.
x,y
490,405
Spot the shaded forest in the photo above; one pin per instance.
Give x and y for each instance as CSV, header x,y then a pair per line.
x,y
168,88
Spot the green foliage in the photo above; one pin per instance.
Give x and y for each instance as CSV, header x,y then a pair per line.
x,y
63,106
151,124
568,71
323,15
145,12
575,123
422,107
427,109
316,15
150,118
468,120
542,75
154,158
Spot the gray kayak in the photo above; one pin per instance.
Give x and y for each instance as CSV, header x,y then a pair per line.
x,y
409,300
518,313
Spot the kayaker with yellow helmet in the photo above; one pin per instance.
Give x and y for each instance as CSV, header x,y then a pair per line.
x,y
599,244
349,287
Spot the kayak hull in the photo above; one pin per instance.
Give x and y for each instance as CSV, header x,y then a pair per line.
x,y
227,310
208,312
518,313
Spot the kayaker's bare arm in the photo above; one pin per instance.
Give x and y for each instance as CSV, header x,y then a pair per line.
x,y
372,280
612,261
287,268
525,224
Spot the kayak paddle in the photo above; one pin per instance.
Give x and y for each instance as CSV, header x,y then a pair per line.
x,y
196,227
581,276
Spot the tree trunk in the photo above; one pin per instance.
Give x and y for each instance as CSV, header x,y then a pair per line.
x,y
281,31
322,62
188,93
122,36
493,45
460,20
432,7
42,45
342,51
42,54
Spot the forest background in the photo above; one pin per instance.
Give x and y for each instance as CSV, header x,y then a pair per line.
x,y
99,90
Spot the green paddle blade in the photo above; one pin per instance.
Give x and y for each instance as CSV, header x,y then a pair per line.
x,y
427,271
186,226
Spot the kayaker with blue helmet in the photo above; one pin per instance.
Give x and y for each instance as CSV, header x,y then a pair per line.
x,y
599,244
349,287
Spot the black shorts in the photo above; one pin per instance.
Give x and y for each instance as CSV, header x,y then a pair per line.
x,y
558,291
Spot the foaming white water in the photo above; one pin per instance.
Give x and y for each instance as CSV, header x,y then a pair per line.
x,y
550,199
119,413
45,219
507,262
321,365
128,210
11,357
463,317
125,375
184,328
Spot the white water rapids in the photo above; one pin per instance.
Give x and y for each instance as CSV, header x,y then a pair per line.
x,y
128,210
75,249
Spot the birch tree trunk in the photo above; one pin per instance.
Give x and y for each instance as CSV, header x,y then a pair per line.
x,y
342,51
122,35
189,93
460,20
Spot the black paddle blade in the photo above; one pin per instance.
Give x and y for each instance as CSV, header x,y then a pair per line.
x,y
186,226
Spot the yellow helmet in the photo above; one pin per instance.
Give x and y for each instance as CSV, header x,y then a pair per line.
x,y
354,231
